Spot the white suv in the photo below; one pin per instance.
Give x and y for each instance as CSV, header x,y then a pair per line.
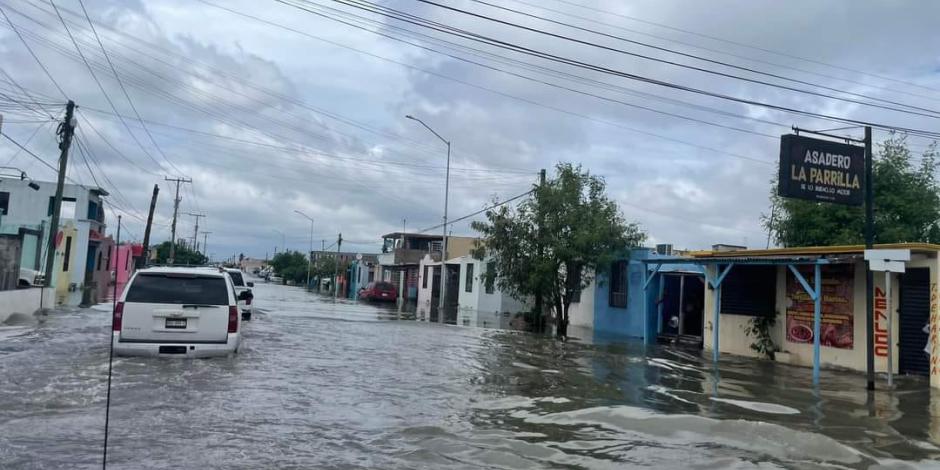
x,y
244,301
186,312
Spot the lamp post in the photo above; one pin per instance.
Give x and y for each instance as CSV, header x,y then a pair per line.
x,y
309,252
446,194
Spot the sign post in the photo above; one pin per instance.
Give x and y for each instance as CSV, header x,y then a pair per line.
x,y
889,261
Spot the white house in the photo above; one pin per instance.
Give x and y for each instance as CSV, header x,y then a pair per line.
x,y
478,301
82,215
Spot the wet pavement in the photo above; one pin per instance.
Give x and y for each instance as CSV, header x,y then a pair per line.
x,y
346,385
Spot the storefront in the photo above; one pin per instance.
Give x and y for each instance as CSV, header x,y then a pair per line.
x,y
781,284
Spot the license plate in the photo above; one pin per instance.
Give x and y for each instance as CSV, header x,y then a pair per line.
x,y
176,323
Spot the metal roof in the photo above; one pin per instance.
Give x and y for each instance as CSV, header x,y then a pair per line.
x,y
814,250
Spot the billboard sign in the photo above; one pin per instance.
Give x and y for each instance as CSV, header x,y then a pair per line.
x,y
821,170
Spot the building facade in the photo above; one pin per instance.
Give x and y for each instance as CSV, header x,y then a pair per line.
x,y
27,209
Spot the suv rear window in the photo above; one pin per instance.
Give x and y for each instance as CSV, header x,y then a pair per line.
x,y
237,278
178,289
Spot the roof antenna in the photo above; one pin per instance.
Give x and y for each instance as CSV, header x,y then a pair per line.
x,y
107,406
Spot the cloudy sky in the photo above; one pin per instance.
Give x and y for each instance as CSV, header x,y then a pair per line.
x,y
271,107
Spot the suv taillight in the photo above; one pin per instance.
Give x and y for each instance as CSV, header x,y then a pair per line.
x,y
118,317
232,319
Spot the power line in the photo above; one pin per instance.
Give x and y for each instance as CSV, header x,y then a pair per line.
x,y
722,52
682,54
35,57
451,222
404,17
98,82
118,78
745,45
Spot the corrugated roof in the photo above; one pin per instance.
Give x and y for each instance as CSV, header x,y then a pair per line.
x,y
812,251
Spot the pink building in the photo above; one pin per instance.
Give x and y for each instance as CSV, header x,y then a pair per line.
x,y
125,258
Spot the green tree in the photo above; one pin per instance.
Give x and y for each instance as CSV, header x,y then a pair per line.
x,y
184,255
551,245
907,205
291,266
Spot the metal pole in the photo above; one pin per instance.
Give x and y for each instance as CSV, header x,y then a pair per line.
x,y
310,255
817,319
444,248
890,314
339,243
869,276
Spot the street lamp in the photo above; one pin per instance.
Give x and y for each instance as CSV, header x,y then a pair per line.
x,y
446,193
310,252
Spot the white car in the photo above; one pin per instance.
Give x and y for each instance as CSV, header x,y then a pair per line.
x,y
177,311
238,280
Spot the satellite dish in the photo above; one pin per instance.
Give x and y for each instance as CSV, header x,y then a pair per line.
x,y
358,256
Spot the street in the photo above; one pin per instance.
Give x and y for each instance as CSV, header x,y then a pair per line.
x,y
346,385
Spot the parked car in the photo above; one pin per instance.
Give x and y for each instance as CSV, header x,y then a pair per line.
x,y
29,277
238,280
379,291
177,311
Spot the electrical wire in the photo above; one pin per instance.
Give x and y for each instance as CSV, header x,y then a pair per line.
x,y
606,70
35,57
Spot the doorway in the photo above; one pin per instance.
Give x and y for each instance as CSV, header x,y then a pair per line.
x,y
913,317
681,308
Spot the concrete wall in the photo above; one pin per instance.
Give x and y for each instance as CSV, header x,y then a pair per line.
x,y
478,300
423,308
459,246
581,314
10,250
732,338
24,302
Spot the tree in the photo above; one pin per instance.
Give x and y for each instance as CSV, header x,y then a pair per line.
x,y
907,205
184,255
291,266
552,243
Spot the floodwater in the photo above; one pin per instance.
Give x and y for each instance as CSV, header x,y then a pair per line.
x,y
323,385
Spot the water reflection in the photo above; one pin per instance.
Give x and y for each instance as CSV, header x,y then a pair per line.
x,y
343,384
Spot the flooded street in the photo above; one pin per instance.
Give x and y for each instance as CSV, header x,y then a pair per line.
x,y
323,385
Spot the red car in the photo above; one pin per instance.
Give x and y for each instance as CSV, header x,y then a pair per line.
x,y
379,291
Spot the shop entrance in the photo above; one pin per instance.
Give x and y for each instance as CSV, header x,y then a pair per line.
x,y
913,316
681,308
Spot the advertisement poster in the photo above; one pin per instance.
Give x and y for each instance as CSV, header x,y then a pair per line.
x,y
837,327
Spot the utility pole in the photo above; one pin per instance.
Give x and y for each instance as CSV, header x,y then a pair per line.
x,y
869,275
176,207
65,131
539,250
205,245
339,244
196,230
142,261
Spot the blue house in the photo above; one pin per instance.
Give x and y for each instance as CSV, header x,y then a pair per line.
x,y
634,299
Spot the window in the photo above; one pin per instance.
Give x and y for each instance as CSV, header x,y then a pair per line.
x,y
749,290
4,203
576,282
68,254
468,281
178,289
67,211
237,279
98,265
490,277
424,280
618,284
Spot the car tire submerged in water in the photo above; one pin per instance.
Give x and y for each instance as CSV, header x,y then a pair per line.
x,y
246,316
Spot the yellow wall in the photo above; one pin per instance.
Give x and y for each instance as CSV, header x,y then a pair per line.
x,y
459,246
732,337
63,279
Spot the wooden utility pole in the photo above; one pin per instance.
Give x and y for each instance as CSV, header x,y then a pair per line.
x,y
176,207
339,245
539,319
143,260
66,130
196,230
205,245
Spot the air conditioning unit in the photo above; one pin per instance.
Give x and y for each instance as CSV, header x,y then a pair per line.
x,y
664,249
